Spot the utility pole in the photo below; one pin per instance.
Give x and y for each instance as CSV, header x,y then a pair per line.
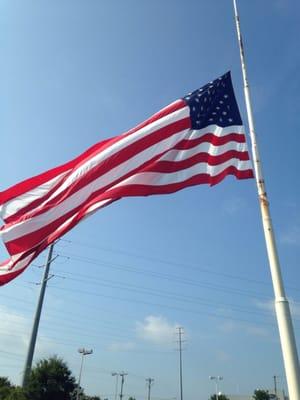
x,y
149,384
275,385
35,327
117,378
180,333
122,375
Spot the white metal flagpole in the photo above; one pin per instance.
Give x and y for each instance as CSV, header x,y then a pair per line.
x,y
285,326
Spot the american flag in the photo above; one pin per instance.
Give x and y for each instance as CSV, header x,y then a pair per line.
x,y
197,139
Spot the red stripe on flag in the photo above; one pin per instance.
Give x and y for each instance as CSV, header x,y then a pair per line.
x,y
174,166
146,190
104,167
212,139
31,183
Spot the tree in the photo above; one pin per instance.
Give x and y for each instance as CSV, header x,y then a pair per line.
x,y
50,379
16,393
220,397
9,391
5,387
260,394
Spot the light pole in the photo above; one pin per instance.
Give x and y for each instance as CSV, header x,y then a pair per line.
x,y
216,379
83,353
122,375
117,377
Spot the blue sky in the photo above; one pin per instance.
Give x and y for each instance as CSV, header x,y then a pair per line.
x,y
76,72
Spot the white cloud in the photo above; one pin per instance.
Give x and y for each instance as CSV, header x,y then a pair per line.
x,y
156,329
269,306
255,330
283,6
120,346
227,327
14,339
295,308
14,331
291,236
223,355
234,205
249,329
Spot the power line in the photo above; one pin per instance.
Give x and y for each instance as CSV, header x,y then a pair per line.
x,y
156,305
168,295
96,370
156,293
168,262
93,280
168,277
110,324
122,337
176,264
65,327
12,354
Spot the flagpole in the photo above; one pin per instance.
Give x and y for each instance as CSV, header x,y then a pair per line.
x,y
285,326
37,317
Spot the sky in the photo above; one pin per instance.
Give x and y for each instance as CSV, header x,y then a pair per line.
x,y
76,72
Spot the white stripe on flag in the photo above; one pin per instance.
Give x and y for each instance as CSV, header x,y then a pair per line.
x,y
17,203
161,179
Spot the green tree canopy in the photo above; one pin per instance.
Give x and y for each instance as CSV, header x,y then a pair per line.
x,y
16,393
4,382
9,391
50,379
5,387
260,394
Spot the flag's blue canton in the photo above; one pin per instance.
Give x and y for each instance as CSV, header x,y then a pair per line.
x,y
214,103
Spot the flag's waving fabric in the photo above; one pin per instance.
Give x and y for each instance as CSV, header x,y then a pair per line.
x,y
197,139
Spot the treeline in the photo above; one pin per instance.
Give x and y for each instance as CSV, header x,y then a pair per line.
x,y
51,379
259,394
